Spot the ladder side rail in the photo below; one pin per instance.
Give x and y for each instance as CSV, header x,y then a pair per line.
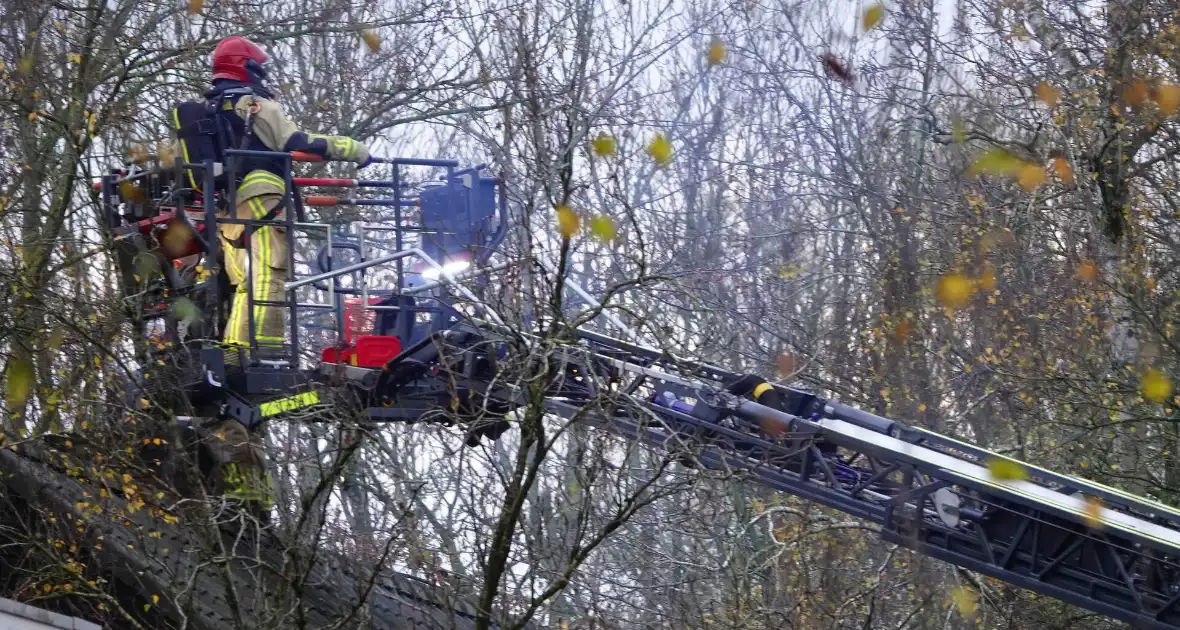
x,y
1067,506
1067,588
1113,592
449,278
700,369
971,455
720,459
888,448
779,457
1029,546
471,272
1067,484
582,293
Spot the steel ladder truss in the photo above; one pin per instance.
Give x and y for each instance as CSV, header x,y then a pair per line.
x,y
927,492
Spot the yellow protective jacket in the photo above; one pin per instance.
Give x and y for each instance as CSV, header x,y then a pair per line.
x,y
272,126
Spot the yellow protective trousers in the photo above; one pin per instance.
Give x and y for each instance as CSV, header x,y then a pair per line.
x,y
267,258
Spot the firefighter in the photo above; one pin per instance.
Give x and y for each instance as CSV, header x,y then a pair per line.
x,y
237,64
240,112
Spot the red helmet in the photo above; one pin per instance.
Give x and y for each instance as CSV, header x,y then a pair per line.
x,y
231,56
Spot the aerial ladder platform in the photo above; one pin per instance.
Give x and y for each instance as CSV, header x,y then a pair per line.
x,y
384,310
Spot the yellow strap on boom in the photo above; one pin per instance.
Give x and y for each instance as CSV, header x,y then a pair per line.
x,y
762,388
291,403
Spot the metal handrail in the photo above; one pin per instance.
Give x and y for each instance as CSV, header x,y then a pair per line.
x,y
444,276
462,275
360,266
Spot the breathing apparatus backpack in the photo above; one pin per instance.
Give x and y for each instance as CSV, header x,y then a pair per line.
x,y
206,128
204,134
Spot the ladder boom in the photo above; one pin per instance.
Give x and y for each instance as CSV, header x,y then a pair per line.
x,y
424,347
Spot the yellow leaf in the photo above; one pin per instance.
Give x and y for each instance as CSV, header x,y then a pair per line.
x,y
1167,96
953,290
567,222
772,426
138,154
372,40
966,601
787,272
786,364
605,145
903,330
19,383
1092,512
922,408
1031,176
176,239
660,150
1136,92
1064,170
1155,385
987,279
872,17
195,6
146,266
166,154
1087,271
716,52
1006,470
958,131
996,162
155,599
73,58
185,310
603,228
1048,94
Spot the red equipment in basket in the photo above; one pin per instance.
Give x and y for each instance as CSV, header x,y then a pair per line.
x,y
362,349
358,321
